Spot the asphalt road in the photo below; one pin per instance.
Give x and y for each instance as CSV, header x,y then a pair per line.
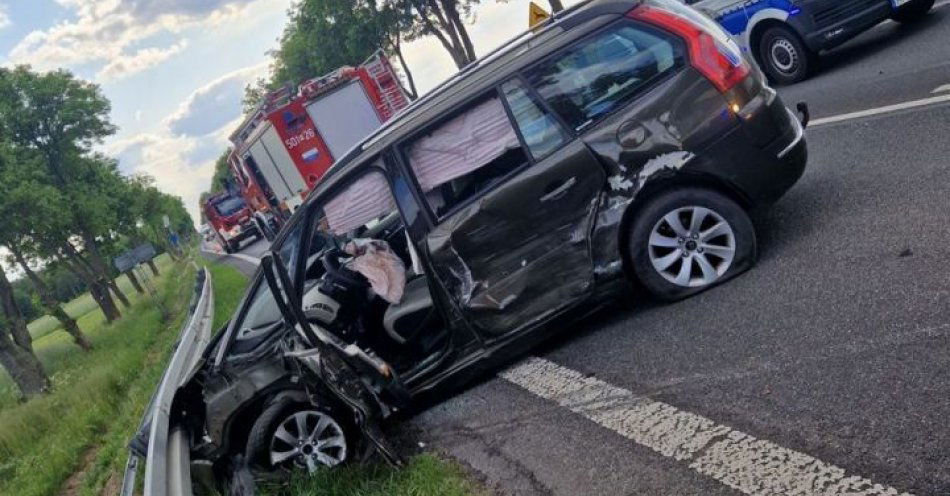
x,y
828,363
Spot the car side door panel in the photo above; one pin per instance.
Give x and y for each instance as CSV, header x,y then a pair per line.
x,y
523,249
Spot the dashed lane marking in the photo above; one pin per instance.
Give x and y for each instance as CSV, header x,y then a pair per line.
x,y
941,89
750,465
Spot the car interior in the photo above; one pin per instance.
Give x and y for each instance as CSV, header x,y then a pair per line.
x,y
407,333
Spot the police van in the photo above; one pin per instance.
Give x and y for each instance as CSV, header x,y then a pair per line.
x,y
785,36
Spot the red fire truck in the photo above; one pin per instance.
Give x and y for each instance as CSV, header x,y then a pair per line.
x,y
231,220
285,146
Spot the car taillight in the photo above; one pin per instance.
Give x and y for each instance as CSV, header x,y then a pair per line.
x,y
721,63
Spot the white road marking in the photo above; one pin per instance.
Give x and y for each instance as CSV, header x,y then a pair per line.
x,y
247,258
941,89
881,110
750,465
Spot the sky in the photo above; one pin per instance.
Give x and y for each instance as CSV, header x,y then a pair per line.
x,y
175,70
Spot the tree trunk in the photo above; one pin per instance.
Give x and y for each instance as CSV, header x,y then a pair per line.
x,y
556,5
453,46
151,265
413,93
102,268
453,14
52,306
135,281
110,283
14,319
24,368
101,294
78,266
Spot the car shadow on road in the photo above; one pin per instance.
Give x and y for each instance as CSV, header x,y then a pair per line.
x,y
870,44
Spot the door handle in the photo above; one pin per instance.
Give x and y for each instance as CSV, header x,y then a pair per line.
x,y
552,192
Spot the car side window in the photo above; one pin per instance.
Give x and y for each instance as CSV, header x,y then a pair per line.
x,y
600,74
465,155
541,132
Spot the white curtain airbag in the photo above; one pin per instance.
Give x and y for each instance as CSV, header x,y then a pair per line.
x,y
463,144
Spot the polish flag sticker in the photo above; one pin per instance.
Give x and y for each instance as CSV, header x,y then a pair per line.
x,y
310,155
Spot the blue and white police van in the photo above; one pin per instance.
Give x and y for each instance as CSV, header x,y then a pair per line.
x,y
785,36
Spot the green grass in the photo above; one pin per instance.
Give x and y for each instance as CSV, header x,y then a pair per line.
x,y
98,397
54,347
84,304
229,286
424,475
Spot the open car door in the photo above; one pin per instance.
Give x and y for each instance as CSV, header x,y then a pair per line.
x,y
366,384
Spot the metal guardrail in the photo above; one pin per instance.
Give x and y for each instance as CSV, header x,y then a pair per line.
x,y
166,450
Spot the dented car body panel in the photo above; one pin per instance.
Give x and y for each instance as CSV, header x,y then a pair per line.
x,y
499,267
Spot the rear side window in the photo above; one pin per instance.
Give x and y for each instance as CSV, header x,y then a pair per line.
x,y
465,155
599,74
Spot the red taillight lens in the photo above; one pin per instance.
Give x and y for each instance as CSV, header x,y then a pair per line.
x,y
720,63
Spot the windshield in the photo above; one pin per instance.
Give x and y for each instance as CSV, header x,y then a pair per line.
x,y
229,206
263,309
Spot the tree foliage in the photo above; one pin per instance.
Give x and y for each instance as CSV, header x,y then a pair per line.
x,y
65,209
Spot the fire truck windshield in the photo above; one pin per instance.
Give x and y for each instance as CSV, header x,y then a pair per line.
x,y
229,206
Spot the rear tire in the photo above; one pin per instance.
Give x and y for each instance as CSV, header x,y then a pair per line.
x,y
784,56
689,240
913,12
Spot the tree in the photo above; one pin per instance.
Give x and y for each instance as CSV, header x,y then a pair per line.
x,y
347,32
60,118
16,349
443,19
28,206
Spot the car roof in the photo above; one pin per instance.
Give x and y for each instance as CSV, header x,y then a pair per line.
x,y
474,80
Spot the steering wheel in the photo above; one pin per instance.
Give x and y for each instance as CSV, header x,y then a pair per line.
x,y
332,261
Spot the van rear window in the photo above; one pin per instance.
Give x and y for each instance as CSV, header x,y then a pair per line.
x,y
599,74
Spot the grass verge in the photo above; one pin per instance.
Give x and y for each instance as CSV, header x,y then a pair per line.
x,y
424,475
98,397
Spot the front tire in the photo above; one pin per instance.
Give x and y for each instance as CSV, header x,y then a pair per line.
x,y
913,11
689,240
291,435
784,56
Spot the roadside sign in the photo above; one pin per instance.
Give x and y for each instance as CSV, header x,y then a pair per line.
x,y
536,15
166,221
140,254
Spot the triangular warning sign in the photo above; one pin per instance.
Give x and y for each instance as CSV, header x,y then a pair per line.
x,y
536,15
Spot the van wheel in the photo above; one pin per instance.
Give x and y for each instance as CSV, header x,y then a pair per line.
x,y
689,240
913,11
291,435
784,57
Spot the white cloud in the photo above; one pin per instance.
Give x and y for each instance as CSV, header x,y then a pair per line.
x,y
181,154
145,58
105,31
214,104
166,158
4,17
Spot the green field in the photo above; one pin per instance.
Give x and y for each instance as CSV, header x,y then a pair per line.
x,y
83,426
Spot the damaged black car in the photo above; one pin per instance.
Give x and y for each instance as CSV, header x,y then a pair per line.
x,y
623,142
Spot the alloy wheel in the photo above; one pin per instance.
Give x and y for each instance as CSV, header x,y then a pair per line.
x,y
692,246
310,439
